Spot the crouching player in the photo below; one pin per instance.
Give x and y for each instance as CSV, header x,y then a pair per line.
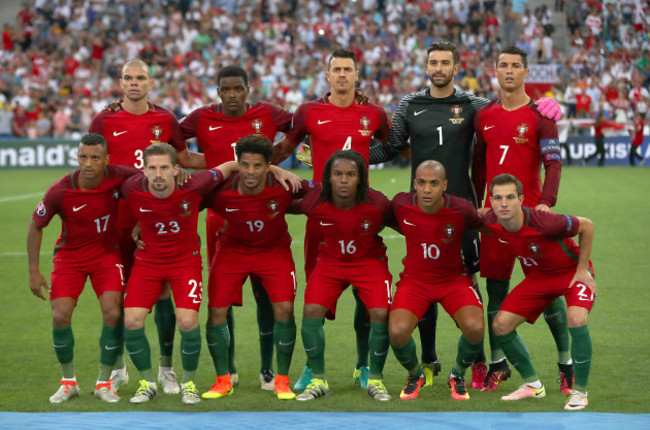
x,y
168,216
87,202
254,242
554,266
433,224
350,215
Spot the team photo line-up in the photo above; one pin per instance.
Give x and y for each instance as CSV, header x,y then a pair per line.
x,y
130,213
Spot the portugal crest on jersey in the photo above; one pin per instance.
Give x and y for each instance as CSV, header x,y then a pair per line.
x,y
365,225
365,123
157,131
273,206
185,208
534,248
449,229
456,111
522,129
257,127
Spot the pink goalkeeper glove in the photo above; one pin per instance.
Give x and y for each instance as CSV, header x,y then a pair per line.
x,y
549,108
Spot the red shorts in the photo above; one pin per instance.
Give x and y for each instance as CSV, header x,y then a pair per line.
x,y
213,225
371,279
497,261
147,279
416,296
537,291
273,268
106,274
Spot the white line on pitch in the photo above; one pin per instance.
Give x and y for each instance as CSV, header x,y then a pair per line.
x,y
22,197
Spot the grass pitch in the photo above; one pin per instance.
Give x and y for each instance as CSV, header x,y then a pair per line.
x,y
616,199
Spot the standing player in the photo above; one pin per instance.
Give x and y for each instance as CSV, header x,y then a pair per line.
x,y
129,129
513,137
638,123
433,224
87,202
438,123
217,128
554,267
168,216
254,242
350,215
336,122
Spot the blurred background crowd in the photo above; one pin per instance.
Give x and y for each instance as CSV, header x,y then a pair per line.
x,y
60,59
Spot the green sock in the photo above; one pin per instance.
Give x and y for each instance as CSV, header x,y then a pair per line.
x,y
466,356
190,353
379,344
119,356
497,291
285,341
63,341
138,348
581,352
218,338
361,329
265,322
517,353
407,356
165,319
313,339
555,316
230,320
109,342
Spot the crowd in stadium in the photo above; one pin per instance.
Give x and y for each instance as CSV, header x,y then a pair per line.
x,y
60,59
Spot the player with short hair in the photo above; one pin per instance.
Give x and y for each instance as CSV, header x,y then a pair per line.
x,y
554,266
168,216
334,122
437,121
638,124
513,137
217,128
86,201
254,242
130,126
433,224
350,215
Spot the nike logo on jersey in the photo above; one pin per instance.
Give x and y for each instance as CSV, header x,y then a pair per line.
x,y
408,223
146,210
215,128
75,209
487,128
231,209
502,241
324,122
115,133
418,112
325,224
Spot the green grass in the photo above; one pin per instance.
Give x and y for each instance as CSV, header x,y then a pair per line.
x,y
616,199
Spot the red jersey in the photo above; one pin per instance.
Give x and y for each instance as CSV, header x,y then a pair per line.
x,y
517,142
254,222
603,124
433,241
129,135
352,235
169,225
331,128
87,217
544,243
637,137
218,134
